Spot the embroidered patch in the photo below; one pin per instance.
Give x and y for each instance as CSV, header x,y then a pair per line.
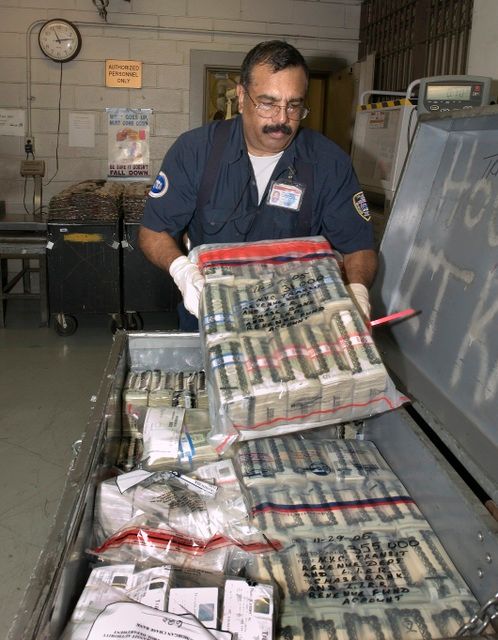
x,y
361,205
160,186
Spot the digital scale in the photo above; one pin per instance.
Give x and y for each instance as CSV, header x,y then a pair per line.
x,y
383,132
451,93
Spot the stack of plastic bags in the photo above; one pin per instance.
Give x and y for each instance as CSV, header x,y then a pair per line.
x,y
192,520
358,559
167,552
124,601
165,420
320,521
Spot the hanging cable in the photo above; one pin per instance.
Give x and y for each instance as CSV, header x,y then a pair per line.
x,y
25,189
58,131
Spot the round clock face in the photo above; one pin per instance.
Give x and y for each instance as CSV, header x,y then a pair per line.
x,y
59,40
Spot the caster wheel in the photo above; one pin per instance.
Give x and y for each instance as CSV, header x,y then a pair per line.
x,y
134,321
65,325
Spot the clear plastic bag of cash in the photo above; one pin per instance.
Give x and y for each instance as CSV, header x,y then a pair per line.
x,y
154,392
318,454
284,347
362,580
122,600
203,504
165,437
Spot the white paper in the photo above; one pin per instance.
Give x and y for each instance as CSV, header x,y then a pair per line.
x,y
151,588
248,610
202,602
129,621
11,122
221,635
127,480
81,130
162,428
100,589
215,633
197,486
116,583
221,471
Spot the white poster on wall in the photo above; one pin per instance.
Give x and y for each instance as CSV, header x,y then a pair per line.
x,y
128,142
81,130
11,122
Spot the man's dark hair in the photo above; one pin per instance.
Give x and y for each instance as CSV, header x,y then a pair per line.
x,y
277,54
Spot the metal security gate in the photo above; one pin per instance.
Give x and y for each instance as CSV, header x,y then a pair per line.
x,y
415,38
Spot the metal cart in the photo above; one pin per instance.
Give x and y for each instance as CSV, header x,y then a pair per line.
x,y
146,288
23,238
438,256
83,272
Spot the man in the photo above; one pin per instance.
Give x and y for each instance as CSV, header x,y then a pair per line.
x,y
271,179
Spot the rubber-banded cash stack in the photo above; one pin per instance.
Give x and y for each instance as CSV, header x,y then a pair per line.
x,y
265,377
303,392
161,389
332,371
355,344
227,367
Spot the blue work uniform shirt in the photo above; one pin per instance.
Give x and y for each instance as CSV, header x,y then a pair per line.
x,y
334,201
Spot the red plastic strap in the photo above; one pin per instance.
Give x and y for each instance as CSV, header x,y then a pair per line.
x,y
264,250
394,316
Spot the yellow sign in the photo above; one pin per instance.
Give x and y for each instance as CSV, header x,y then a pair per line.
x,y
84,237
123,73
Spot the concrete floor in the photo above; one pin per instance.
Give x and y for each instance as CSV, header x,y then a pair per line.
x,y
46,384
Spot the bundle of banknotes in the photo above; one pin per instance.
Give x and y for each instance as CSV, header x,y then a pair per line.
x,y
359,559
324,520
284,345
155,390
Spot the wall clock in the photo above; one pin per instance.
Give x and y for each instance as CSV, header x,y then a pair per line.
x,y
60,40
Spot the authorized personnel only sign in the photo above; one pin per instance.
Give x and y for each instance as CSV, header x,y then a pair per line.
x,y
123,73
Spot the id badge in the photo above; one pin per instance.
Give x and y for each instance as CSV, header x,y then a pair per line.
x,y
286,194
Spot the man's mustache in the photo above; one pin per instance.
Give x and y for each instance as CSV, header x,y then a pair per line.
x,y
277,128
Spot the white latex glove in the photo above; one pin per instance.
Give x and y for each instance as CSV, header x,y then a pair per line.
x,y
359,295
189,280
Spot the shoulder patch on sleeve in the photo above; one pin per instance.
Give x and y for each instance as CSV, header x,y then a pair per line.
x,y
361,205
160,186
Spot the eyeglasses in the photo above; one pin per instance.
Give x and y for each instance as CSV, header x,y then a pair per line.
x,y
270,110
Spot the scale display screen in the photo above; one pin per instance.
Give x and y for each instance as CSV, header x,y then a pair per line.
x,y
452,93
448,92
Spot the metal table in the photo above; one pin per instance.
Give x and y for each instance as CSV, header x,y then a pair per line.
x,y
24,238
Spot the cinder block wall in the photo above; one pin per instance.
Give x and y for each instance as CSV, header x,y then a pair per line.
x,y
323,28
